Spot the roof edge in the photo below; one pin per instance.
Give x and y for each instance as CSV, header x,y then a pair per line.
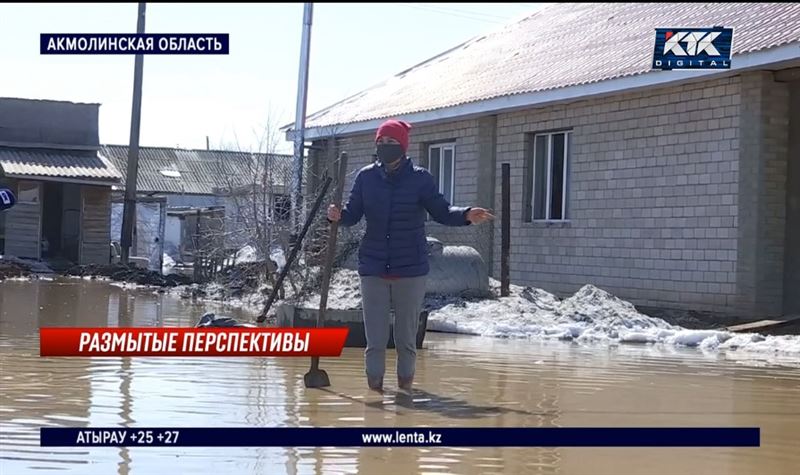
x,y
50,146
52,101
468,41
785,54
195,149
287,127
76,180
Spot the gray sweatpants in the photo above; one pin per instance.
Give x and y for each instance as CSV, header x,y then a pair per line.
x,y
379,296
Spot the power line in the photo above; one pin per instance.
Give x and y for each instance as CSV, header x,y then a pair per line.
x,y
428,9
527,7
450,13
467,12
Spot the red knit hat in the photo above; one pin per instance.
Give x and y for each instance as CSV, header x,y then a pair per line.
x,y
396,129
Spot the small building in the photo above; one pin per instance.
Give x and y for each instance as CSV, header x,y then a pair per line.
x,y
213,184
49,158
671,189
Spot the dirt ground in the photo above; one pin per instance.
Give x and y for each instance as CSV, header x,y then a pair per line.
x,y
10,269
132,274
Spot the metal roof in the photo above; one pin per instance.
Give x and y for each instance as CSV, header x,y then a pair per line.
x,y
559,46
71,165
174,170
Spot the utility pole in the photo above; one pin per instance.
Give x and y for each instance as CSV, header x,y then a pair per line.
x,y
300,118
505,246
129,209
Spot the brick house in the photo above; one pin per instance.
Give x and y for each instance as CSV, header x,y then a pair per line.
x,y
671,189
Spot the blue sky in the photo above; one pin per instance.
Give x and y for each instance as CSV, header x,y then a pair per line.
x,y
231,98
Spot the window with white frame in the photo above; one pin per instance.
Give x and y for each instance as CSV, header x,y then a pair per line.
x,y
441,163
548,177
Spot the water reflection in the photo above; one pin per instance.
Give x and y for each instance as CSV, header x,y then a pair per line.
x,y
462,381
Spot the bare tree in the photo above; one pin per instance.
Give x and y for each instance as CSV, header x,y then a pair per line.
x,y
257,205
323,162
250,186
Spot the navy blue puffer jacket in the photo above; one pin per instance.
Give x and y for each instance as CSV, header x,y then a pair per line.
x,y
394,206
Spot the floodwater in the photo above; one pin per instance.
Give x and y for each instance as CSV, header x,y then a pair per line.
x,y
462,381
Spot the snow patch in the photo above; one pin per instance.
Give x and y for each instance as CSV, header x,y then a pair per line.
x,y
344,292
246,254
167,264
277,256
593,315
590,315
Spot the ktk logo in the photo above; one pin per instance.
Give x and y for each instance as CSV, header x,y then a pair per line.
x,y
7,199
693,48
696,43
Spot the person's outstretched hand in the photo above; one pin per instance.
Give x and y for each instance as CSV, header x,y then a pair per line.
x,y
334,213
479,215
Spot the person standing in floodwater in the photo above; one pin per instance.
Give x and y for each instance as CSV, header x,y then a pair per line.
x,y
393,195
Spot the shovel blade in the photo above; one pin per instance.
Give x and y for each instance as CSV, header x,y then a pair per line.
x,y
316,378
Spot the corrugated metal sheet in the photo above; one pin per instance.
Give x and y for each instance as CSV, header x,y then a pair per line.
x,y
70,164
171,170
559,46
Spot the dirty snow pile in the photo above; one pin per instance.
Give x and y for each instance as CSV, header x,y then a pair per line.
x,y
246,254
277,256
249,254
344,292
218,293
591,314
167,264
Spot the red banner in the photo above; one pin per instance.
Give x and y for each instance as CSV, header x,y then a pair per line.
x,y
235,341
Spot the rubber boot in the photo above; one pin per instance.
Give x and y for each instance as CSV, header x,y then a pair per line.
x,y
405,383
375,384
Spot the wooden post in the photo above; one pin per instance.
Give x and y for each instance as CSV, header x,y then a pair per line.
x,y
129,206
505,248
197,261
162,224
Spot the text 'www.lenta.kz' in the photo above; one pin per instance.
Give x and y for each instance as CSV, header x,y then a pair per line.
x,y
401,437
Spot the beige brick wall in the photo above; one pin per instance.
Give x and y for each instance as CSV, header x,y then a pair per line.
x,y
791,279
658,212
762,193
653,197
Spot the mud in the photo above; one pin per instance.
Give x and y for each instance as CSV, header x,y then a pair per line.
x,y
130,274
241,279
692,319
13,269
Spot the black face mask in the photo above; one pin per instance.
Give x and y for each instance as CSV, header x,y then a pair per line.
x,y
389,152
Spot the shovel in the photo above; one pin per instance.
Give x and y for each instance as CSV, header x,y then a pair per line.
x,y
318,378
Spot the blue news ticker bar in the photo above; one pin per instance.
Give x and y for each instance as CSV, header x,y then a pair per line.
x,y
403,437
134,43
